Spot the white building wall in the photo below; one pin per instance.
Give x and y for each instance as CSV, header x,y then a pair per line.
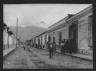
x,y
5,38
43,39
47,37
36,40
64,32
83,34
40,40
12,40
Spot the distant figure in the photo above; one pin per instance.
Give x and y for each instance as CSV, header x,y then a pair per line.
x,y
63,49
24,47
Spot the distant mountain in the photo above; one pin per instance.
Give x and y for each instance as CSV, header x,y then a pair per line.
x,y
26,33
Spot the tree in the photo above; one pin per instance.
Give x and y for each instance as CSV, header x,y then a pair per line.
x,y
4,26
10,33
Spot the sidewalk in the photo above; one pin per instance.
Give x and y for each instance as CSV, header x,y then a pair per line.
x,y
62,60
81,56
5,52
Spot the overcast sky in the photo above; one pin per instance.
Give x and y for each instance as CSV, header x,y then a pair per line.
x,y
34,14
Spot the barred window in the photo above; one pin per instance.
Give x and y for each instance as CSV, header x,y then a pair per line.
x,y
90,31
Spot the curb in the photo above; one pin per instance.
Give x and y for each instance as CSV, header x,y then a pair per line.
x,y
80,58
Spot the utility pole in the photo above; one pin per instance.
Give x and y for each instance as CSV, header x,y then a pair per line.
x,y
17,33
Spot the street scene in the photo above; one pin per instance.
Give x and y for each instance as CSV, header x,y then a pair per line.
x,y
47,36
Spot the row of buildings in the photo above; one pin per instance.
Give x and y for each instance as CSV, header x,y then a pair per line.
x,y
9,40
77,27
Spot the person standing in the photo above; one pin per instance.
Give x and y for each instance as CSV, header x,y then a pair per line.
x,y
54,46
24,47
50,47
62,47
67,46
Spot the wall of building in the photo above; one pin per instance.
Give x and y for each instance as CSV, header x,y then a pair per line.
x,y
12,40
43,39
64,32
83,34
36,40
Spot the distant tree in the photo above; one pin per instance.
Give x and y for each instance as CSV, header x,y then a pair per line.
x,y
10,33
4,26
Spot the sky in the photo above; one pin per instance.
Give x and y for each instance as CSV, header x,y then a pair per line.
x,y
40,15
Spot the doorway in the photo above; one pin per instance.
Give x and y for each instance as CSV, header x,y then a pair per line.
x,y
73,34
60,37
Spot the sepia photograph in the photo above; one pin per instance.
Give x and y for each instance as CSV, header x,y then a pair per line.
x,y
47,36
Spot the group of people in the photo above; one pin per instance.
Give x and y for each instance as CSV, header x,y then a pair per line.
x,y
68,46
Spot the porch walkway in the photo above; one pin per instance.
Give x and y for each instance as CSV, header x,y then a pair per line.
x,y
78,55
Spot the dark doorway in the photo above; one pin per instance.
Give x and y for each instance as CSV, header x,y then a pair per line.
x,y
49,39
38,41
73,33
53,39
60,37
41,40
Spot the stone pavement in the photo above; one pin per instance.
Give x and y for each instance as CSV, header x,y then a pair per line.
x,y
15,60
63,60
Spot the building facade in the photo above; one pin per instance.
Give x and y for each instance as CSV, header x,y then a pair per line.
x,y
58,32
8,40
42,39
77,27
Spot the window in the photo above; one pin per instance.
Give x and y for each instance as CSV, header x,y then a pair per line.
x,y
90,31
